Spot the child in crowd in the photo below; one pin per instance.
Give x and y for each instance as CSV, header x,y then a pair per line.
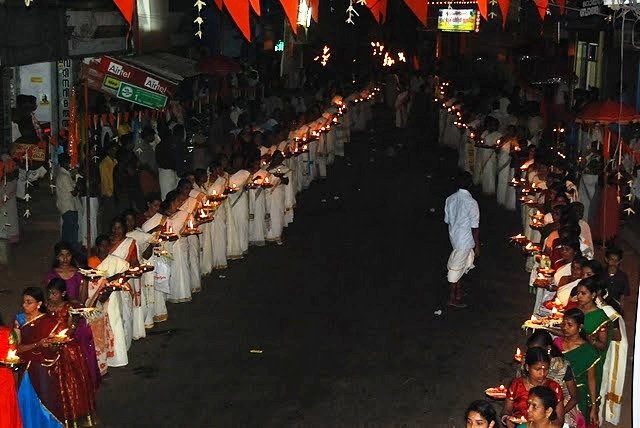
x,y
616,281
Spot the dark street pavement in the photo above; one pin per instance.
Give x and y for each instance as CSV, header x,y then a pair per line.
x,y
343,314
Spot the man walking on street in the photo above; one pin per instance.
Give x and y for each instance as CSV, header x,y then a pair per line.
x,y
462,214
67,202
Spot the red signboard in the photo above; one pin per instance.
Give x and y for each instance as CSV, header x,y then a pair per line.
x,y
136,76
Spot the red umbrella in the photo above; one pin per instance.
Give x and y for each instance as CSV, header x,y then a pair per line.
x,y
607,112
218,65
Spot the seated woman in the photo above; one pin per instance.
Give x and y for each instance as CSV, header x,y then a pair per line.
x,y
537,363
481,414
9,410
39,394
77,387
541,409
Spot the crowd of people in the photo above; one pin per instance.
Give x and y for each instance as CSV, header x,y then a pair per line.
x,y
94,304
573,368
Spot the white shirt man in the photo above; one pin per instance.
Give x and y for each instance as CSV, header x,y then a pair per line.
x,y
68,204
462,214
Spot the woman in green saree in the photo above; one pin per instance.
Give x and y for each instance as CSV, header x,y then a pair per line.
x,y
596,322
584,360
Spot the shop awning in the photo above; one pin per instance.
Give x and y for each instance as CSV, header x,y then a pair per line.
x,y
169,66
148,80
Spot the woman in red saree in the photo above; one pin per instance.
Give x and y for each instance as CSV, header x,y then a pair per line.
x,y
35,349
76,385
9,410
58,371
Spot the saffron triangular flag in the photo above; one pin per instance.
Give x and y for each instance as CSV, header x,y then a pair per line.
x,y
504,10
291,10
239,11
255,5
126,8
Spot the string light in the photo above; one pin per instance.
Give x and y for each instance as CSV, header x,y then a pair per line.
x,y
447,3
199,4
324,57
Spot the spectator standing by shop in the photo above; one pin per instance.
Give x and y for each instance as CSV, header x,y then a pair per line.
x,y
165,151
107,167
67,201
89,187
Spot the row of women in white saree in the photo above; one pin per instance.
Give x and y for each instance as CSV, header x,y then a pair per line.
x,y
210,218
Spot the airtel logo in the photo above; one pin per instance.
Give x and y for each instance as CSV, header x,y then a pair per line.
x,y
118,70
154,85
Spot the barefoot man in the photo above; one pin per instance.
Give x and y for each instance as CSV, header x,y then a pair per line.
x,y
462,214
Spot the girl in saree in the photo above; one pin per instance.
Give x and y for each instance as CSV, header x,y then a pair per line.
x,y
596,322
39,398
58,306
97,298
9,409
537,363
65,267
584,360
73,378
75,294
561,372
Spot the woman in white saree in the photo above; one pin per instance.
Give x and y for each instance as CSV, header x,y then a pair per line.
x,y
504,167
489,162
614,369
257,209
290,189
276,197
180,280
238,215
190,205
155,297
216,186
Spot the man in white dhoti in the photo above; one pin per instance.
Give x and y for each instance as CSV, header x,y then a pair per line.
x,y
462,214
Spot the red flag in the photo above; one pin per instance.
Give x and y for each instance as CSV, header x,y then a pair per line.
x,y
562,6
542,7
379,10
291,10
218,3
504,10
239,11
255,5
126,8
419,9
483,8
314,4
